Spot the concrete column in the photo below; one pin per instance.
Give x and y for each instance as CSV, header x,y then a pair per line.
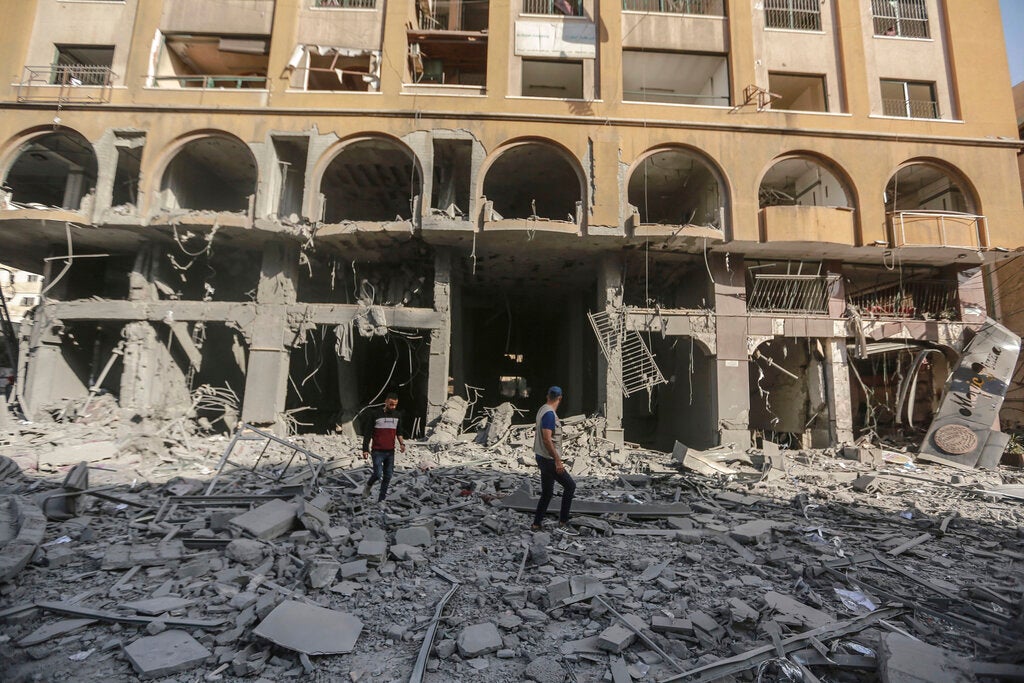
x,y
73,189
609,298
732,365
440,338
48,375
837,293
138,376
266,386
840,402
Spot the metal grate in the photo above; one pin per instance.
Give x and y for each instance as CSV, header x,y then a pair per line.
x,y
922,299
791,293
912,109
636,369
714,8
347,4
797,15
66,83
900,18
568,8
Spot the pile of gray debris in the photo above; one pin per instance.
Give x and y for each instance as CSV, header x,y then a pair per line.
x,y
257,558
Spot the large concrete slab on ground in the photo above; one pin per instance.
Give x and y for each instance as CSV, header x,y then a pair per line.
x,y
310,629
165,653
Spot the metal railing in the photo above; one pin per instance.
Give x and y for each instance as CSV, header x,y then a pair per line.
x,y
791,293
674,98
73,83
568,8
629,360
715,8
797,15
900,18
943,221
911,109
346,4
920,299
208,81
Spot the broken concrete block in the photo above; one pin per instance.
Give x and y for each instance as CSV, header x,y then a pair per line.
x,y
865,484
219,518
353,569
165,654
663,624
755,531
267,521
906,660
245,550
795,612
479,639
320,571
312,517
653,571
418,536
142,555
156,606
336,534
310,629
615,638
558,590
375,552
401,551
545,669
510,621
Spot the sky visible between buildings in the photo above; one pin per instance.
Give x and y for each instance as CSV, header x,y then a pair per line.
x,y
1013,30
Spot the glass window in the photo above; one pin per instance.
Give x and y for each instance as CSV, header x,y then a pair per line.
x,y
909,99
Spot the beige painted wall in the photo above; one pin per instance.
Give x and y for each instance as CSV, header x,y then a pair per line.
x,y
340,27
239,17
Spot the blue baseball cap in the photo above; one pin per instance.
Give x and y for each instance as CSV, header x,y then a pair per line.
x,y
555,391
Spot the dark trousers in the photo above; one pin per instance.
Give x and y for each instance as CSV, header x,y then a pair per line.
x,y
548,477
383,468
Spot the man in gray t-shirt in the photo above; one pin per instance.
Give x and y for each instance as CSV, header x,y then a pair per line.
x,y
547,448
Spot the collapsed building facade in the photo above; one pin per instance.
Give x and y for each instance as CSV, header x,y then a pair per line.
x,y
274,211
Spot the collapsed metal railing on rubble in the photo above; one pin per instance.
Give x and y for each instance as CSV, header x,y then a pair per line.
x,y
631,363
314,464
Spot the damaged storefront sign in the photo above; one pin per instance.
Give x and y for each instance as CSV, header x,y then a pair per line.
x,y
964,432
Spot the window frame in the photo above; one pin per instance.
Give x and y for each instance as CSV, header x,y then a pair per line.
x,y
907,100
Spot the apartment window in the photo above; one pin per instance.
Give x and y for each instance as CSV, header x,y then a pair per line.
x,y
213,61
568,8
714,8
346,4
796,15
549,78
355,71
32,278
675,77
900,18
27,301
909,99
82,64
798,92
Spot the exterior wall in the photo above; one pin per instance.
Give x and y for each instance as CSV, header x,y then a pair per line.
x,y
19,287
238,17
339,26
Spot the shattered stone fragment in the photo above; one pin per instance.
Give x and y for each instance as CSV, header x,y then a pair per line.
x,y
165,654
245,550
310,629
479,639
545,669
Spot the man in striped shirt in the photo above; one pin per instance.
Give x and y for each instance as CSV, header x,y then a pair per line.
x,y
382,428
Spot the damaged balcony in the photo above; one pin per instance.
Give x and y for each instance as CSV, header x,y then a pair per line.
x,y
211,179
448,48
533,186
802,200
928,206
80,74
235,17
212,61
699,25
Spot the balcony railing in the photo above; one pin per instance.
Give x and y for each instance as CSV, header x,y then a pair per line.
x,y
73,84
713,8
207,81
920,299
568,8
346,4
937,229
911,109
791,293
900,18
796,15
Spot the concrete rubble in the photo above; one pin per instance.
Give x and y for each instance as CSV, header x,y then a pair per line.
x,y
727,564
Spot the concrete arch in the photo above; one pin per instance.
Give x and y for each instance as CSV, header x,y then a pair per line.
x,y
714,169
959,179
50,166
207,170
842,178
516,200
372,189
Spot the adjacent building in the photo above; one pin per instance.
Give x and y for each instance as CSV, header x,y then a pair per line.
x,y
705,219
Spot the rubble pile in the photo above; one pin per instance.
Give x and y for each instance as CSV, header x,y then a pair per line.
x,y
204,558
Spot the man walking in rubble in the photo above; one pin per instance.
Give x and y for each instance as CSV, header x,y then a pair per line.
x,y
381,428
547,447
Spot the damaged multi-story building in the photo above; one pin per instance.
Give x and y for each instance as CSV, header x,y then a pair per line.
x,y
705,219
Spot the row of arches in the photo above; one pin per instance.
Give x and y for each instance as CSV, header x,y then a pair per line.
x,y
379,178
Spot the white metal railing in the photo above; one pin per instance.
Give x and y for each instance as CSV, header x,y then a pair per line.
x,y
911,109
713,8
76,83
568,8
791,293
944,222
797,15
346,4
900,18
629,360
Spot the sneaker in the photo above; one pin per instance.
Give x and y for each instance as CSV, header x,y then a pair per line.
x,y
567,530
536,527
367,490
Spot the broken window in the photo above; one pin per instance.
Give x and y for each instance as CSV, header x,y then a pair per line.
x,y
676,187
900,18
715,8
213,173
323,68
798,92
796,15
909,99
675,77
211,61
533,180
925,187
374,179
568,8
56,170
449,46
453,161
83,65
919,292
802,181
289,174
126,174
552,78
